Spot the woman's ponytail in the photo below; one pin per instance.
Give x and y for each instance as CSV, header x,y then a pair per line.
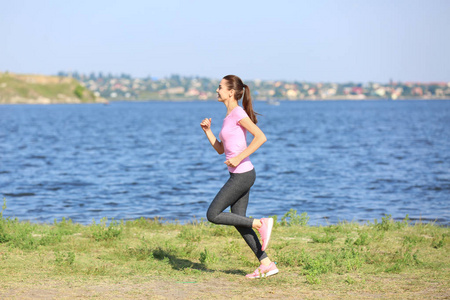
x,y
247,104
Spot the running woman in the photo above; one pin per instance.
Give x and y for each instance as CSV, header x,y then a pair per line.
x,y
235,192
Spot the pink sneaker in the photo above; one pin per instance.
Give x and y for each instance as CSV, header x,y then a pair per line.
x,y
263,271
265,230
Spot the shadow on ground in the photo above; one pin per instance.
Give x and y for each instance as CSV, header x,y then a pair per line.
x,y
181,263
234,272
178,263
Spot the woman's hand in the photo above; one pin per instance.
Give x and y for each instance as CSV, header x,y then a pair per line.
x,y
206,124
233,162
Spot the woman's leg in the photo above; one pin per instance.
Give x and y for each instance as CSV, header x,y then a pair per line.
x,y
234,189
235,193
249,235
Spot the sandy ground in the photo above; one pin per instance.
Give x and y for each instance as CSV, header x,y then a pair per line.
x,y
210,289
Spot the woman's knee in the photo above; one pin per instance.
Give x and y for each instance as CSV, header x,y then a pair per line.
x,y
211,216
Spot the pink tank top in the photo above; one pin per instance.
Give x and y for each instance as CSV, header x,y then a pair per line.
x,y
234,139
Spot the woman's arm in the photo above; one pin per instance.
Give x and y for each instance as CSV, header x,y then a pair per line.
x,y
217,145
259,138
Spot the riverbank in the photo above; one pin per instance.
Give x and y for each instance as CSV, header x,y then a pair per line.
x,y
153,259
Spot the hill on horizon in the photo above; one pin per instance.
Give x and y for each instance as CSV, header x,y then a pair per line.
x,y
43,89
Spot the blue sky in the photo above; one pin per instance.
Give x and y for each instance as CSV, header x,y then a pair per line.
x,y
319,40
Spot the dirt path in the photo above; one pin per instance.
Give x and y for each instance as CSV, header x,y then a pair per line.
x,y
210,289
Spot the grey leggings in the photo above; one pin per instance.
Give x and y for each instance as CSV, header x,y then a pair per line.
x,y
235,193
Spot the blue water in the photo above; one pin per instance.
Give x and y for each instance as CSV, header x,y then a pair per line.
x,y
335,160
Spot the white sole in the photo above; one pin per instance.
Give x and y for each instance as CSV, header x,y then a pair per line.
x,y
270,273
273,272
269,232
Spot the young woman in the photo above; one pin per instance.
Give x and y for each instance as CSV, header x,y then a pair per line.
x,y
235,192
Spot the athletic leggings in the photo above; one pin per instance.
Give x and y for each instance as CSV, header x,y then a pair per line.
x,y
235,193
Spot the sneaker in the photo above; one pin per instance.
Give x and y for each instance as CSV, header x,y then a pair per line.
x,y
263,271
265,230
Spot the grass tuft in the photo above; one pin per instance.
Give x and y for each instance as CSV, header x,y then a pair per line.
x,y
291,218
104,232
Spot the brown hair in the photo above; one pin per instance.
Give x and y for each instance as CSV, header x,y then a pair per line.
x,y
236,84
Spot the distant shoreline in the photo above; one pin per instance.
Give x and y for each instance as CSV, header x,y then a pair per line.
x,y
36,102
76,88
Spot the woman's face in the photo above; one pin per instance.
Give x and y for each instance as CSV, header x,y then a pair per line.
x,y
223,92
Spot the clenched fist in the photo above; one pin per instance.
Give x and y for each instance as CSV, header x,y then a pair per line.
x,y
206,124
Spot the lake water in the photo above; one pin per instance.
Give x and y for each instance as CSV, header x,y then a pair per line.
x,y
335,160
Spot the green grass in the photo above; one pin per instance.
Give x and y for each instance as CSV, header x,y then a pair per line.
x,y
374,258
